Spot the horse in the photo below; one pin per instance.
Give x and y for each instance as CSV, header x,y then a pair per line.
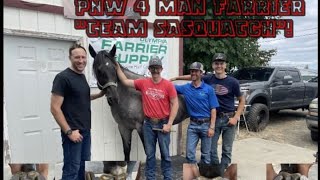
x,y
125,102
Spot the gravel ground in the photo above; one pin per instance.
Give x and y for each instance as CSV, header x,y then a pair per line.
x,y
288,127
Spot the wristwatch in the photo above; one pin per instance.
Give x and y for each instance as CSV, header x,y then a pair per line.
x,y
69,132
211,128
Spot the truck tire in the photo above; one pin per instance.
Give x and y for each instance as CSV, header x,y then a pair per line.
x,y
258,117
314,135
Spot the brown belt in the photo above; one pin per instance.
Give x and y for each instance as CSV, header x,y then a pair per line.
x,y
155,120
223,114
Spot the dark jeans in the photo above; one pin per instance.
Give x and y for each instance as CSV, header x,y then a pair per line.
x,y
150,140
228,133
75,155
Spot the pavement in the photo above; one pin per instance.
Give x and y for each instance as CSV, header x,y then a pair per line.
x,y
251,156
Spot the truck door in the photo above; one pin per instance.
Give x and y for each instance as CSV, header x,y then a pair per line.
x,y
296,91
278,90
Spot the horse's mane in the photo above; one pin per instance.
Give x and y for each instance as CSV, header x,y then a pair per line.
x,y
100,60
130,74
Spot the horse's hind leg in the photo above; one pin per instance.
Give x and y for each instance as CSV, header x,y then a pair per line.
x,y
126,135
140,132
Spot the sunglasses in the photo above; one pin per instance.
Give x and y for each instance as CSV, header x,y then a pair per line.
x,y
153,68
218,63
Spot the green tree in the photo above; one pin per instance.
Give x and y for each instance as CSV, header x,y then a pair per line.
x,y
241,52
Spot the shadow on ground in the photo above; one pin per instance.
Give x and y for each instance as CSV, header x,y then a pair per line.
x,y
177,163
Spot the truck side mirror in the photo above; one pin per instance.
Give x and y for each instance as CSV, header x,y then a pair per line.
x,y
287,80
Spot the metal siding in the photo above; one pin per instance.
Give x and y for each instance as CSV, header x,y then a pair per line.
x,y
46,22
11,18
28,20
62,25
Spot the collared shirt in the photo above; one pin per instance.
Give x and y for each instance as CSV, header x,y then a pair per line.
x,y
199,100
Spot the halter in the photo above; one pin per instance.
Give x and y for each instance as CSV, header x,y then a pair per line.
x,y
106,85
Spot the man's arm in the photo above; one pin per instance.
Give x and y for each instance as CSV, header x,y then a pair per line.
x,y
240,107
212,122
95,96
173,113
239,111
123,78
55,108
184,77
213,103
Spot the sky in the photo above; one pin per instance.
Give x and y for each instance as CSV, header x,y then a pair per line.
x,y
302,49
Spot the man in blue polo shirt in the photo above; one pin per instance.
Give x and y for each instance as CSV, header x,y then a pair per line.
x,y
201,103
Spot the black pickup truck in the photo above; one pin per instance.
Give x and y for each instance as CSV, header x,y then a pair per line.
x,y
270,89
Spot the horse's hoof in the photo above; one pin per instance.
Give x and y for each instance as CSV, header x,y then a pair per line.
x,y
205,178
90,176
295,176
33,175
106,177
118,170
278,177
285,175
121,177
19,176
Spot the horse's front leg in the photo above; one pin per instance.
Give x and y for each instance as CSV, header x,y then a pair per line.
x,y
126,135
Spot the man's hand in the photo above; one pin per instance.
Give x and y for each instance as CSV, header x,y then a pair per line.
x,y
233,121
172,79
166,128
96,96
117,65
210,132
75,136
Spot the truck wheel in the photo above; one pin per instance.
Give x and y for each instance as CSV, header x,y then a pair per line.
x,y
314,135
258,117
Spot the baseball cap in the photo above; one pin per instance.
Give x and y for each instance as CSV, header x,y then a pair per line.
x,y
196,66
219,57
155,61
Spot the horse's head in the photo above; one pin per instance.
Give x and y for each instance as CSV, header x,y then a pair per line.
x,y
104,70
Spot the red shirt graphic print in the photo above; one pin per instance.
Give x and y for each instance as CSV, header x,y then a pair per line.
x,y
155,97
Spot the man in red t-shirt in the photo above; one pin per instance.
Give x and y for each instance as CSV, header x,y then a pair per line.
x,y
160,106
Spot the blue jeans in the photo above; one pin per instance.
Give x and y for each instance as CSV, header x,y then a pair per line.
x,y
150,140
194,133
75,155
228,133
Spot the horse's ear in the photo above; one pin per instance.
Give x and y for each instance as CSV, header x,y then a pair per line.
x,y
92,51
113,51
